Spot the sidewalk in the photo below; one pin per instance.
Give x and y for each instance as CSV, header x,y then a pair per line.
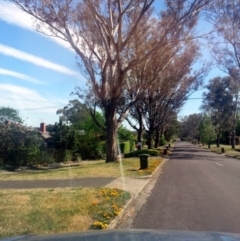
x,y
134,186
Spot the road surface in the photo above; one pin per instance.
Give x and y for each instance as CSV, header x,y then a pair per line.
x,y
197,191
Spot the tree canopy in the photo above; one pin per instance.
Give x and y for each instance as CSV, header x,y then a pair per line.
x,y
9,114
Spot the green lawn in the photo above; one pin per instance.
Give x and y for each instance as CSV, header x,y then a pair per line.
x,y
46,211
127,167
227,148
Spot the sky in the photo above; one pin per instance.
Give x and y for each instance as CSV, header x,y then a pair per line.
x,y
38,73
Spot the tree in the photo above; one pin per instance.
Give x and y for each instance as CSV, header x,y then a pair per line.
x,y
74,112
173,129
221,103
19,145
207,130
189,126
224,15
101,33
9,114
175,84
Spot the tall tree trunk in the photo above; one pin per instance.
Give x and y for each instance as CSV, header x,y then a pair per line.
x,y
111,136
157,139
150,139
233,139
218,139
139,137
230,138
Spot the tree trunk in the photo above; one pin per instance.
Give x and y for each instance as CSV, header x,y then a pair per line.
x,y
139,138
150,139
233,140
218,139
111,137
157,139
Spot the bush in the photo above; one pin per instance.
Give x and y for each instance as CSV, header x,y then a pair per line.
x,y
45,157
76,157
91,150
162,141
125,147
62,155
150,152
132,145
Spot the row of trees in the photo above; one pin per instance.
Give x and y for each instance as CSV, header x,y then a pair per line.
x,y
220,118
128,54
138,59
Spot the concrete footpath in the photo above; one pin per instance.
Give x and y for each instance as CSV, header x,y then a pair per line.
x,y
133,185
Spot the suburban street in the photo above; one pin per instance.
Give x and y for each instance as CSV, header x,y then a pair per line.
x,y
197,191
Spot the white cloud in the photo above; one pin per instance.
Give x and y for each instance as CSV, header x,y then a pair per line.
x,y
20,76
11,14
35,60
32,106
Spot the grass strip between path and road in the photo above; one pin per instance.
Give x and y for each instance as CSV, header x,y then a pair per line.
x,y
47,211
227,150
127,167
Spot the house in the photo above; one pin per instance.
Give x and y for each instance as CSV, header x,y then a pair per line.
x,y
43,131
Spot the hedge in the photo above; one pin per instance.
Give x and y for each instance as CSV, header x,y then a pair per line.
x,y
125,147
150,152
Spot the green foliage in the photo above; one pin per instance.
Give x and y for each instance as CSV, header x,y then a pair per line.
x,y
125,147
124,134
74,112
162,141
19,145
136,153
45,156
132,145
9,114
238,128
62,155
189,126
91,149
83,137
207,130
220,100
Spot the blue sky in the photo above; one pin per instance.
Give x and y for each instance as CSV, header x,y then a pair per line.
x,y
38,73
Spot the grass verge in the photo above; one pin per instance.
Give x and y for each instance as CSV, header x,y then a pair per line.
x,y
227,150
127,167
48,211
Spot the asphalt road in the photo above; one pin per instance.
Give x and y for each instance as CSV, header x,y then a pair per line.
x,y
197,191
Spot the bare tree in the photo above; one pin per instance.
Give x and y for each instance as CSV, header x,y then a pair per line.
x,y
175,84
224,15
101,33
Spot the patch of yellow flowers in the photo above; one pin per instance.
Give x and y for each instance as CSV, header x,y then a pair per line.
x,y
100,225
108,206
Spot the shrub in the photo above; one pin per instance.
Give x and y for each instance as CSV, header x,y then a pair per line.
x,y
125,147
91,150
162,141
76,157
132,145
150,152
45,157
62,155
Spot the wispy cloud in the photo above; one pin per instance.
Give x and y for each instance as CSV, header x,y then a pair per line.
x,y
30,103
15,53
11,14
20,76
